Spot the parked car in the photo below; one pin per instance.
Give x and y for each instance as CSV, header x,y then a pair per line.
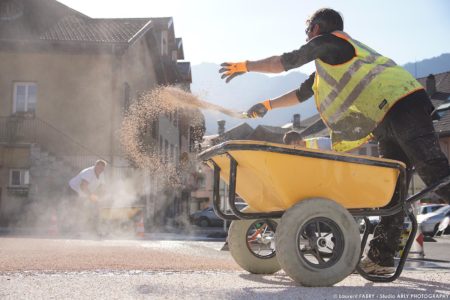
x,y
429,208
429,224
207,217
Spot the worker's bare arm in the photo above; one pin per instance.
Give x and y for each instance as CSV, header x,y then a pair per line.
x,y
268,65
285,100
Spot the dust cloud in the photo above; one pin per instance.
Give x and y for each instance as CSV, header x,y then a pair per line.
x,y
139,137
143,114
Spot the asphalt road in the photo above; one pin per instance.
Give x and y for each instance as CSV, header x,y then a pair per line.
x,y
41,268
437,248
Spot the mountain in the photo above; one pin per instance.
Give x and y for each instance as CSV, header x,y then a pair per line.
x,y
244,91
429,66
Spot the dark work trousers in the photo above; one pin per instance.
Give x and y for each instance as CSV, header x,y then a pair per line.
x,y
407,134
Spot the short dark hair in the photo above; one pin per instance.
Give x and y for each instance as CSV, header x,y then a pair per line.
x,y
328,19
291,137
100,162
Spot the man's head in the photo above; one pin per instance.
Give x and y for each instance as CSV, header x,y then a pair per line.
x,y
293,138
324,20
99,166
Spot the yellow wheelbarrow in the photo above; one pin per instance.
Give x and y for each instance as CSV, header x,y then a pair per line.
x,y
121,219
302,205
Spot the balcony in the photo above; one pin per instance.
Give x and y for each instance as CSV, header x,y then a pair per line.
x,y
22,129
18,191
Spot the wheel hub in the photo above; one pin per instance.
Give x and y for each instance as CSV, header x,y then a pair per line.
x,y
321,242
260,239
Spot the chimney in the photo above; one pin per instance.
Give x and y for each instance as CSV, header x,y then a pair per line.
x,y
296,122
431,85
221,129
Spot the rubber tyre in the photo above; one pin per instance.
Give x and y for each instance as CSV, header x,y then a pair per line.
x,y
288,253
203,222
244,257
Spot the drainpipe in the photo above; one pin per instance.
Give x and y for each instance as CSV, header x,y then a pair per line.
x,y
115,75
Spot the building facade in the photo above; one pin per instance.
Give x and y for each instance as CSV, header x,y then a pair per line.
x,y
67,82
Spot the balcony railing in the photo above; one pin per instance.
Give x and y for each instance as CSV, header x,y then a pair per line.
x,y
28,129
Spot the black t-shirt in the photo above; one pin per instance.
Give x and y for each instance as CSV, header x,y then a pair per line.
x,y
327,47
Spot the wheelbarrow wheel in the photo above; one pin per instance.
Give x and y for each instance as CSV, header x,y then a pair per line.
x,y
318,242
252,245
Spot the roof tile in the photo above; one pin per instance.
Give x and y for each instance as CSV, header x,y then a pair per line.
x,y
73,28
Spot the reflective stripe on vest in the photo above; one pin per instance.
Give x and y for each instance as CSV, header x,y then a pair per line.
x,y
354,97
345,79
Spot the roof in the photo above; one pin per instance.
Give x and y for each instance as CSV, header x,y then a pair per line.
x,y
163,23
442,81
73,28
442,126
441,101
272,129
442,86
241,131
268,134
303,123
316,129
50,22
312,127
78,29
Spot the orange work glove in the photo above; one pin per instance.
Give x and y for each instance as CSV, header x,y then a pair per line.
x,y
259,110
231,70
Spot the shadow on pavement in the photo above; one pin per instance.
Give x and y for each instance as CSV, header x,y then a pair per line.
x,y
283,287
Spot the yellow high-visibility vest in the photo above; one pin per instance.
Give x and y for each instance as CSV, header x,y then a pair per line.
x,y
353,98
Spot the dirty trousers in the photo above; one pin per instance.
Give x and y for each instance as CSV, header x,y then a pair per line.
x,y
407,134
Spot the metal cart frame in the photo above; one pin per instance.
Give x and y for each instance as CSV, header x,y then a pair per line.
x,y
394,206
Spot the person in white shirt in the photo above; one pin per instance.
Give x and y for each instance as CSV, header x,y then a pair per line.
x,y
82,194
88,180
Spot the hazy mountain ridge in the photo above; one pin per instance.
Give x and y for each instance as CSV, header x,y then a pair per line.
x,y
434,65
244,91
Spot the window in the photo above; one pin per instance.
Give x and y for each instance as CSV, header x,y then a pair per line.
x,y
166,151
175,117
19,177
174,55
164,44
155,129
201,182
172,153
362,151
24,97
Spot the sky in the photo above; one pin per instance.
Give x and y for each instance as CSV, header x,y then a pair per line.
x,y
215,31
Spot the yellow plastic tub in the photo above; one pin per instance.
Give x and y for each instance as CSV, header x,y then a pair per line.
x,y
119,213
273,177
